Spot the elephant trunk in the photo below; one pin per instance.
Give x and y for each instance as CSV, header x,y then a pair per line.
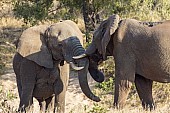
x,y
94,59
82,74
91,49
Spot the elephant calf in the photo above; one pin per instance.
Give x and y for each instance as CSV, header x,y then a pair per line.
x,y
40,69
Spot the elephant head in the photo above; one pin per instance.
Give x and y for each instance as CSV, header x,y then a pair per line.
x,y
102,36
55,44
97,51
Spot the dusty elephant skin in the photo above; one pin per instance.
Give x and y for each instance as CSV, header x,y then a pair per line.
x,y
40,68
141,53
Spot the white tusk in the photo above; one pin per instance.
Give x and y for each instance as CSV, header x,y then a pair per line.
x,y
75,67
79,56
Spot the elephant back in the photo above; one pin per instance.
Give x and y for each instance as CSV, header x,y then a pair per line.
x,y
31,45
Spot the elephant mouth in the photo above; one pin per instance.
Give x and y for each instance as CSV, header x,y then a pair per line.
x,y
95,57
94,60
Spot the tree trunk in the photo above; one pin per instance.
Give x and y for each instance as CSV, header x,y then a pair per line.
x,y
88,14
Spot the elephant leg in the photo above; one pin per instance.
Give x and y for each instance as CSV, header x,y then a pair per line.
x,y
42,105
60,99
50,104
28,75
144,89
124,77
122,88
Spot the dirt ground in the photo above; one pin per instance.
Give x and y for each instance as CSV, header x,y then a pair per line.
x,y
75,99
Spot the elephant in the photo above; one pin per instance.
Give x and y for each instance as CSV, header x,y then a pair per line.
x,y
141,53
41,65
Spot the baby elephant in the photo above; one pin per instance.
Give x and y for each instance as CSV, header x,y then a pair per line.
x,y
40,68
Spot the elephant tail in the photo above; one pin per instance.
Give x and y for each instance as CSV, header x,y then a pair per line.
x,y
16,63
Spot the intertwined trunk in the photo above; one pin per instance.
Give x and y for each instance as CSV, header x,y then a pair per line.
x,y
77,49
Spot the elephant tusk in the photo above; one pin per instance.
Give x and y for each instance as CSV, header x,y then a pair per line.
x,y
75,67
79,56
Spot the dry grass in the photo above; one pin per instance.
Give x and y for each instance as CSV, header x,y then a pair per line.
x,y
10,22
161,92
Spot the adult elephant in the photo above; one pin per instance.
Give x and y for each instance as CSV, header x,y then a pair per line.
x,y
141,55
40,69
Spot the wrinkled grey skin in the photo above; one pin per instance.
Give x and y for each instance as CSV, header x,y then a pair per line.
x,y
141,55
40,69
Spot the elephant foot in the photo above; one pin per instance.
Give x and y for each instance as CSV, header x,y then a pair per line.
x,y
24,109
148,106
122,89
118,106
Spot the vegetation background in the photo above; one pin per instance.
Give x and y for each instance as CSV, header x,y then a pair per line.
x,y
17,15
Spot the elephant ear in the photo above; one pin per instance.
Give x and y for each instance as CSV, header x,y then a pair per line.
x,y
112,25
32,46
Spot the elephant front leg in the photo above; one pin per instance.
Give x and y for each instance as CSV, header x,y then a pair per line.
x,y
50,104
124,77
60,99
60,102
144,89
42,104
122,88
26,102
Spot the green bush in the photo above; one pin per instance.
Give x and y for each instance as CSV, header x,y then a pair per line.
x,y
32,11
107,85
98,109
